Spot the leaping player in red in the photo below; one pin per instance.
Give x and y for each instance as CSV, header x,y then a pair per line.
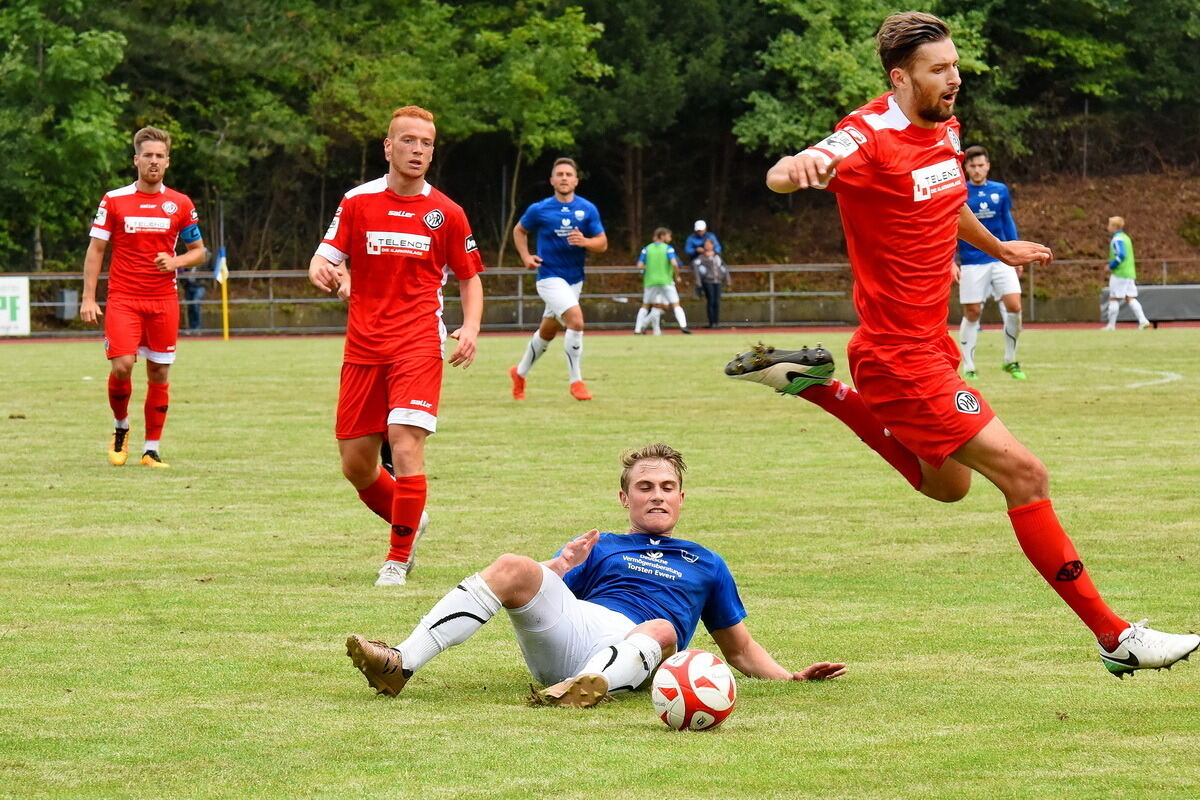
x,y
144,221
895,165
402,238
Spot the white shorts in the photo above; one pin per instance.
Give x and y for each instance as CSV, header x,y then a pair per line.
x,y
1120,288
660,295
558,632
558,295
980,281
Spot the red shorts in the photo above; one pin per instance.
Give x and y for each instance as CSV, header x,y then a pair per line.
x,y
914,389
373,396
147,327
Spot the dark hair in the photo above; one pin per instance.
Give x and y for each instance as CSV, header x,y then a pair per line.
x,y
149,134
564,160
661,232
975,151
901,34
652,452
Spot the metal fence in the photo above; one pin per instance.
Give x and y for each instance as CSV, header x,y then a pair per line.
x,y
283,301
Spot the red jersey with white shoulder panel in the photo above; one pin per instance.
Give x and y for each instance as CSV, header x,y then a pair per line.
x,y
900,188
401,252
139,226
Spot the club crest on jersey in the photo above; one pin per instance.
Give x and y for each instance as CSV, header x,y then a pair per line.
x,y
391,243
691,558
966,402
169,207
928,181
579,213
469,244
434,219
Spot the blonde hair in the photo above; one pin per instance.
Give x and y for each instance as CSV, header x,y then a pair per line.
x,y
652,452
149,134
1119,221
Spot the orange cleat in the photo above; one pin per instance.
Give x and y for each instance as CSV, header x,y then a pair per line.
x,y
518,384
579,391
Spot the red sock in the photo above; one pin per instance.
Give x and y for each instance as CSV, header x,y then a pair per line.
x,y
118,396
408,501
157,399
378,496
1049,549
844,403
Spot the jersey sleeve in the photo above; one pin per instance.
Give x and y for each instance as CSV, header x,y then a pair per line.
x,y
191,223
642,257
1010,226
530,220
671,255
335,246
462,253
592,226
856,146
102,222
723,608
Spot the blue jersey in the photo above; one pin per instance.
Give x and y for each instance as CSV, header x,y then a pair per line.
x,y
552,220
651,577
992,206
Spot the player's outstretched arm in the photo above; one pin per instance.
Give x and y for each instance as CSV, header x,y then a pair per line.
x,y
751,658
471,293
806,170
89,309
574,553
324,274
1015,253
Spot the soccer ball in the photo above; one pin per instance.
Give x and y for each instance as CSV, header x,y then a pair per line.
x,y
693,690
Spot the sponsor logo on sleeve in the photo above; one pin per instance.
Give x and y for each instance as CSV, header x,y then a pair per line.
x,y
954,142
469,244
169,207
856,134
966,402
195,216
101,216
839,144
392,243
147,224
434,219
928,181
333,228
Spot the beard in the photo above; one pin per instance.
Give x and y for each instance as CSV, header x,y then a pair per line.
x,y
932,110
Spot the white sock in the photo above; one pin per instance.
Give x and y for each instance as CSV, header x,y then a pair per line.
x,y
968,335
151,444
1114,308
640,325
626,664
1012,330
656,321
123,424
573,347
1137,311
680,317
453,620
533,351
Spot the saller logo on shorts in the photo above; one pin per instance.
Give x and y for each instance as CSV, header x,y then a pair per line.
x,y
387,243
928,181
966,402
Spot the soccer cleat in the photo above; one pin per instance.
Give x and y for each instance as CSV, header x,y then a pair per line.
x,y
581,691
151,458
1139,647
686,331
1145,325
518,387
380,664
393,573
785,371
118,451
579,391
412,554
970,374
1014,369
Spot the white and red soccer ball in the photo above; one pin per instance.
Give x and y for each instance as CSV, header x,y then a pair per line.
x,y
693,690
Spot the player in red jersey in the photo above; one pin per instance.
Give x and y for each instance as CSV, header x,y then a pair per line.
x,y
144,221
895,167
402,238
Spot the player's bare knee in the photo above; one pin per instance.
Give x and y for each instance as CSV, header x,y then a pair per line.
x,y
514,579
1027,483
662,632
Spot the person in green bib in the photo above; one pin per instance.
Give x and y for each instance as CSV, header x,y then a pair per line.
x,y
1122,279
660,271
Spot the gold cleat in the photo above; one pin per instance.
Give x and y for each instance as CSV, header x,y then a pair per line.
x,y
118,451
379,664
151,458
582,691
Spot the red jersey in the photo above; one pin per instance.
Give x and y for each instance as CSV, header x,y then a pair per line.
x,y
401,252
900,188
139,226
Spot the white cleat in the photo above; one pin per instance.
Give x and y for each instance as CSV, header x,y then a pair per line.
x,y
393,573
1139,647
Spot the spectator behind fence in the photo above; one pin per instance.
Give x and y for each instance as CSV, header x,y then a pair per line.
x,y
711,276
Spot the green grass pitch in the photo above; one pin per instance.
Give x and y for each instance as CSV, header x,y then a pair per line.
x,y
179,633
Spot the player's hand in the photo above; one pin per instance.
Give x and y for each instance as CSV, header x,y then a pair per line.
x,y
578,549
802,171
464,354
821,671
89,311
343,289
1020,268
1018,253
532,261
955,272
325,275
576,238
165,262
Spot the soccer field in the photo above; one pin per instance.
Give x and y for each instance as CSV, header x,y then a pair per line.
x,y
180,633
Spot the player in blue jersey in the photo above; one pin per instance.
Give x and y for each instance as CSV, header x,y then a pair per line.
x,y
600,616
568,228
981,275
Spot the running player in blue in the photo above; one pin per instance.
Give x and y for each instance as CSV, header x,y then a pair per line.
x,y
982,276
568,228
600,616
